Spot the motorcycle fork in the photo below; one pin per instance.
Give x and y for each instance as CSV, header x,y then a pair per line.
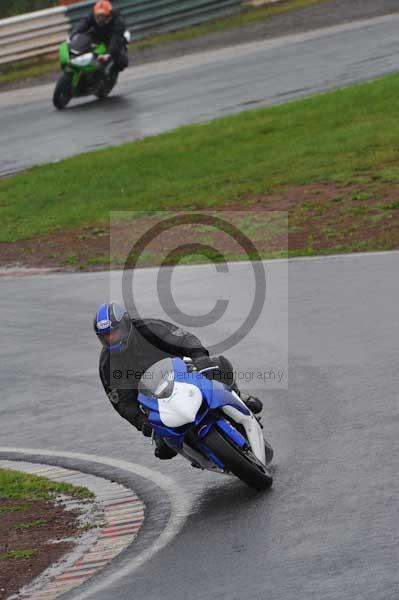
x,y
75,78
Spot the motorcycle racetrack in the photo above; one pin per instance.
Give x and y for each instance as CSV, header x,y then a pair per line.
x,y
328,528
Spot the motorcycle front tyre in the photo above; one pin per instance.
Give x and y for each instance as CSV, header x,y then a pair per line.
x,y
63,91
238,462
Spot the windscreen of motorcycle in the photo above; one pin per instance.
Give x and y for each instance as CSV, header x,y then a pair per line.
x,y
178,401
158,380
80,44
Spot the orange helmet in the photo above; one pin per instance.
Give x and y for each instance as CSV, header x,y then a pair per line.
x,y
102,12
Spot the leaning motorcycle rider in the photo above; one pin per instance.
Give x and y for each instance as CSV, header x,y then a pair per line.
x,y
132,346
106,25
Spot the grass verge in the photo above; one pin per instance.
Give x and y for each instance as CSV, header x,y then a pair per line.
x,y
248,16
331,162
16,485
27,70
17,554
34,68
32,518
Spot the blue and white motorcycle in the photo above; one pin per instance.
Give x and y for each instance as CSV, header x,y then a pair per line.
x,y
204,421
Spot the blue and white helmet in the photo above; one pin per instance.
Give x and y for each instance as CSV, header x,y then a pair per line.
x,y
113,326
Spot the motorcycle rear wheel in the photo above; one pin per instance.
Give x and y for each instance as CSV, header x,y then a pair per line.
x,y
238,462
63,91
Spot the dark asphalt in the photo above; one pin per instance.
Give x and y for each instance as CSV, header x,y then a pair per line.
x,y
157,97
328,530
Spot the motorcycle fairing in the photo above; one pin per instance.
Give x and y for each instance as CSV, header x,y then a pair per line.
x,y
151,404
182,406
64,54
222,396
100,49
252,429
77,71
212,395
216,393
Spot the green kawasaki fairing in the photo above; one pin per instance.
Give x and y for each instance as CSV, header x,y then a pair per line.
x,y
64,54
65,62
82,74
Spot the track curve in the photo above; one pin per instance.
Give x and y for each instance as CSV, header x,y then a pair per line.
x,y
328,527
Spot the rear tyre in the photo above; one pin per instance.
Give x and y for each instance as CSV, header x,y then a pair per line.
x,y
244,466
63,91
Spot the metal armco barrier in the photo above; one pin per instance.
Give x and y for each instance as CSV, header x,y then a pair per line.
x,y
33,34
41,32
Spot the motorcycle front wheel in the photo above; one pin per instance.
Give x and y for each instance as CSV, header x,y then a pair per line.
x,y
240,462
63,91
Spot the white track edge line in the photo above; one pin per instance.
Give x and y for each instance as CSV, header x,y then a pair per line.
x,y
269,261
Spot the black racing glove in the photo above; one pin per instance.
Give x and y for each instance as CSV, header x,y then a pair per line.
x,y
141,423
204,362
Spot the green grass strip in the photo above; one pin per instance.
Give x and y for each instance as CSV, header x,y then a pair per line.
x,y
30,525
19,7
341,137
32,68
248,16
18,554
15,485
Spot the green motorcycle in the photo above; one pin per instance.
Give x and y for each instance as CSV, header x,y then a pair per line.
x,y
87,70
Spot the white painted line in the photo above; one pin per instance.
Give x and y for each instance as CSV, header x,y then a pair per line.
x,y
23,271
270,261
348,255
180,508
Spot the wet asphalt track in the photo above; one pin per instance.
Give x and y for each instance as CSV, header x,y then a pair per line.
x,y
329,528
158,97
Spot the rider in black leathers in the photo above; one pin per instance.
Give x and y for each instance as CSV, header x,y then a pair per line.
x,y
131,346
106,25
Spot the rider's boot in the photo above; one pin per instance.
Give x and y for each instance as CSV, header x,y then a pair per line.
x,y
163,451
